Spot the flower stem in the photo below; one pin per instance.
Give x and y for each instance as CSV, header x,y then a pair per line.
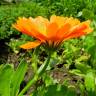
x,y
35,59
36,76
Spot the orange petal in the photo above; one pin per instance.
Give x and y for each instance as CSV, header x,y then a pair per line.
x,y
74,35
24,26
88,29
52,30
63,30
27,26
59,20
31,45
41,24
72,21
76,32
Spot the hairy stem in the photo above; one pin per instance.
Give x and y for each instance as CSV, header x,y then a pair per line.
x,y
39,72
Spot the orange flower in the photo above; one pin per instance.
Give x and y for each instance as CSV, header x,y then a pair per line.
x,y
51,32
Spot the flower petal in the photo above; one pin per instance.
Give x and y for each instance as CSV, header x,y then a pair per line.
x,y
88,29
52,30
27,26
63,31
59,20
76,32
41,24
30,45
72,21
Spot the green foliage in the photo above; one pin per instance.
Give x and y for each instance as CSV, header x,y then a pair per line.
x,y
15,44
70,7
78,55
10,79
18,77
90,81
90,46
9,14
57,89
75,8
6,72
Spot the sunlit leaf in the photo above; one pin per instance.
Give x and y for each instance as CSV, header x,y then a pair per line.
x,y
6,72
90,82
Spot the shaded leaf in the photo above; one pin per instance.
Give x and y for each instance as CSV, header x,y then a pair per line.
x,y
59,90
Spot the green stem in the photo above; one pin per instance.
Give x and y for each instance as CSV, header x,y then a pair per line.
x,y
34,59
37,75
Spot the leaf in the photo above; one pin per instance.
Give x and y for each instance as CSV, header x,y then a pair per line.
x,y
6,72
59,90
90,82
83,68
85,13
52,89
70,92
18,77
82,88
47,79
77,72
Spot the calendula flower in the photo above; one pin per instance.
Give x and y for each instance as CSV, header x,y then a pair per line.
x,y
53,32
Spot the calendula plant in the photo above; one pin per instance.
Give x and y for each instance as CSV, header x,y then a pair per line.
x,y
50,34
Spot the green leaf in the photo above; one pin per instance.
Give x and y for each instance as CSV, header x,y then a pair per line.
x,y
18,77
59,90
47,79
77,72
6,72
83,67
82,88
90,82
70,91
85,12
